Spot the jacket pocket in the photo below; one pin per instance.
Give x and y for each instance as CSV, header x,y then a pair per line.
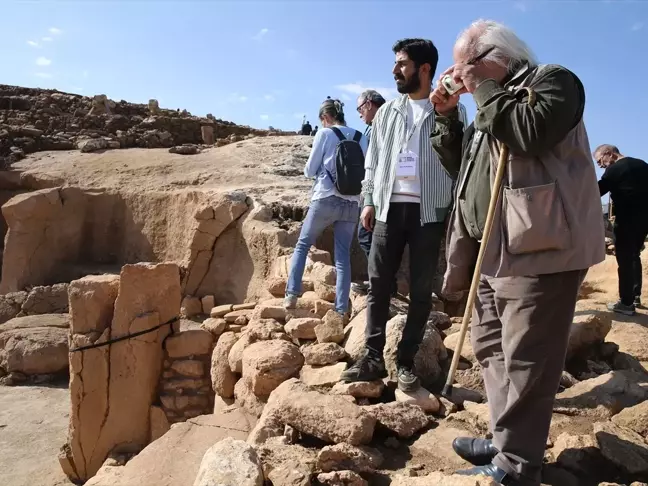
x,y
535,220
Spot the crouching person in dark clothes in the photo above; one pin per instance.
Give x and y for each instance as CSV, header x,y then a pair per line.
x,y
547,232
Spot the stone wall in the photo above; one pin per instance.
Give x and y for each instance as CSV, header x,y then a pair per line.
x,y
185,387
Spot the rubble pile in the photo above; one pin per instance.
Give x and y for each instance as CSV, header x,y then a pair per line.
x,y
34,120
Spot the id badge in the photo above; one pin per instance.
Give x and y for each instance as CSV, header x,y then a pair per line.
x,y
406,168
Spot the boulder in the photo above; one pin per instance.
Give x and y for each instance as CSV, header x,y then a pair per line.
x,y
345,457
403,419
322,375
34,345
220,310
175,458
587,330
223,378
359,389
303,328
230,462
428,358
247,400
331,330
421,397
623,447
330,418
207,304
267,364
577,453
634,418
341,478
216,326
47,300
256,330
603,396
322,273
277,286
325,292
191,306
286,464
467,352
10,305
323,354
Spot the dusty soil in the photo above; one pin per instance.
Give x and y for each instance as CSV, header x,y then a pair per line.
x,y
33,425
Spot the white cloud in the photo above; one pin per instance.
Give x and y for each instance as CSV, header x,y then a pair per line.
x,y
358,88
85,74
261,34
43,75
637,26
55,31
265,117
33,43
521,6
43,61
236,98
242,99
47,39
269,97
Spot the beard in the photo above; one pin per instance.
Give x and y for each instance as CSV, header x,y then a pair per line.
x,y
405,86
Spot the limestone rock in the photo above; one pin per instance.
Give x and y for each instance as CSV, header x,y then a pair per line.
x,y
345,457
216,326
322,375
230,462
247,400
286,464
341,478
220,311
623,447
322,273
467,352
435,446
331,330
634,418
330,418
175,458
35,345
277,286
191,368
403,419
603,396
10,305
257,330
47,300
303,328
248,306
187,149
587,330
325,292
159,423
191,342
421,397
475,417
270,312
360,389
207,304
267,364
223,378
440,479
578,453
267,427
191,306
323,354
631,338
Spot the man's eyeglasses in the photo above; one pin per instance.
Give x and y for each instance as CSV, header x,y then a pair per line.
x,y
481,56
359,108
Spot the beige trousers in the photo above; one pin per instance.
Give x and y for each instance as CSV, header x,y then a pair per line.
x,y
519,332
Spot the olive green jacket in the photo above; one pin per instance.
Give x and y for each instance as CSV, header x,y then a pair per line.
x,y
548,217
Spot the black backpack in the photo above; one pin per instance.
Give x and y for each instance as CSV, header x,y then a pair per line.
x,y
349,164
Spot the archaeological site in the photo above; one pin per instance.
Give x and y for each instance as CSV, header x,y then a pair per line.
x,y
143,340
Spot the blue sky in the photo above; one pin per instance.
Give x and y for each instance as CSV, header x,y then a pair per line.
x,y
269,62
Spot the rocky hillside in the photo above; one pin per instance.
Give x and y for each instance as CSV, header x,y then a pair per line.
x,y
34,120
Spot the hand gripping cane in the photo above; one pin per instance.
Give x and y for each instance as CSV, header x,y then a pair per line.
x,y
488,226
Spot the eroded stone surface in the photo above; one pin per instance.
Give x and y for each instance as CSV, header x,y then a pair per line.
x,y
230,462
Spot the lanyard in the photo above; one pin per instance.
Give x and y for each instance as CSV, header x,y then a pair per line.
x,y
408,135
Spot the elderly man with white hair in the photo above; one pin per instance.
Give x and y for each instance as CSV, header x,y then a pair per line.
x,y
547,232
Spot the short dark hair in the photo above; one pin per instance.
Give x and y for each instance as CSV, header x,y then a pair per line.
x,y
421,51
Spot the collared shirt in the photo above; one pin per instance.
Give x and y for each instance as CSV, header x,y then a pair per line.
x,y
384,147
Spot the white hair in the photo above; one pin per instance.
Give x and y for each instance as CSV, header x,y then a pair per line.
x,y
510,51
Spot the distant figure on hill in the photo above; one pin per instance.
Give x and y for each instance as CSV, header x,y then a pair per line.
x,y
306,129
626,179
314,131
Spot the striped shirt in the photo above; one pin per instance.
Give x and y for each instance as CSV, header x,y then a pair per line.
x,y
386,142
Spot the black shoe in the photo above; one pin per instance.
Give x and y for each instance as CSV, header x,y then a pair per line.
x,y
478,452
407,380
637,303
366,368
489,470
620,308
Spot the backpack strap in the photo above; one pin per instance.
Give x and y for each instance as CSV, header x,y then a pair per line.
x,y
357,136
339,133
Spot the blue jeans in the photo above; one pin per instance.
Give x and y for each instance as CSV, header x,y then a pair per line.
x,y
343,215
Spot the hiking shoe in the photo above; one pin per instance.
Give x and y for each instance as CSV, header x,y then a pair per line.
x,y
366,368
620,308
407,380
290,301
360,288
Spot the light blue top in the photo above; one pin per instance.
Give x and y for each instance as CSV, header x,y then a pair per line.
x,y
322,159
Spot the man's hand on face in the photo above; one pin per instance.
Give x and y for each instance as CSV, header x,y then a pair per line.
x,y
472,75
443,102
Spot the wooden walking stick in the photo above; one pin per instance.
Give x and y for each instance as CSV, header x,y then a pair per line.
x,y
488,226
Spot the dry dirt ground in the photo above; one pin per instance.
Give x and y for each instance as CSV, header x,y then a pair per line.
x,y
33,426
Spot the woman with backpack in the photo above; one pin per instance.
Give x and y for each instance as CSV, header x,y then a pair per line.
x,y
336,163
